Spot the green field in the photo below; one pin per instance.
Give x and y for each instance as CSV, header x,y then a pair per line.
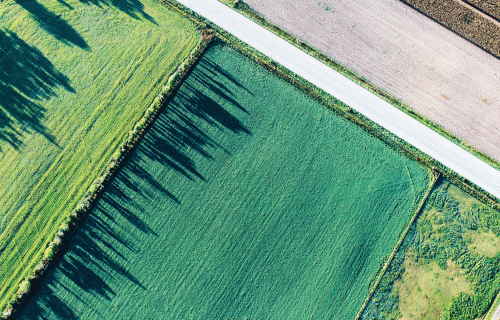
x,y
449,264
75,76
246,200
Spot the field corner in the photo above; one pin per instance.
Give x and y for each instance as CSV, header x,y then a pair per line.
x,y
57,247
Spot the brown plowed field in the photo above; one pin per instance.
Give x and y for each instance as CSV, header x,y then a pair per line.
x,y
491,7
436,72
466,20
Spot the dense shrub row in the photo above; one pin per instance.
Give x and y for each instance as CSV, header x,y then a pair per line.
x,y
463,20
71,223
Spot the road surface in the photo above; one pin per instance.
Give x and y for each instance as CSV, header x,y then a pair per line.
x,y
355,96
496,315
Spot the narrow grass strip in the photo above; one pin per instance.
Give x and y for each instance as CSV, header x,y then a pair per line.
x,y
493,308
245,10
345,111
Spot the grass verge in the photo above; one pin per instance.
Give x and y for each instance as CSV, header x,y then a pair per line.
x,y
76,77
493,308
244,9
340,108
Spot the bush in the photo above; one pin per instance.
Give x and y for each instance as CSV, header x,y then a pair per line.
x,y
64,226
235,4
93,189
24,286
48,254
57,241
463,307
173,80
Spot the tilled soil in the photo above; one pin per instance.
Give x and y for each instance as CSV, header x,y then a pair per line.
x,y
466,20
436,72
491,7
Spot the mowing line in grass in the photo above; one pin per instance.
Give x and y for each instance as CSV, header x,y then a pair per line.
x,y
245,199
78,75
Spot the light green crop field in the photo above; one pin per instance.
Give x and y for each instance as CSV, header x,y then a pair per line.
x,y
74,78
246,200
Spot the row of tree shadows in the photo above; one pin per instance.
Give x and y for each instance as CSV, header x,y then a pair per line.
x,y
27,77
63,31
176,133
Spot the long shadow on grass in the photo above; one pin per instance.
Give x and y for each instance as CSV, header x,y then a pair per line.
x,y
26,76
178,132
53,23
134,8
101,248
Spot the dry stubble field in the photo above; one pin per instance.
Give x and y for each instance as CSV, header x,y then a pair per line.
x,y
436,72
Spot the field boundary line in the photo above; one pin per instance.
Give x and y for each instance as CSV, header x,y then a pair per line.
x,y
486,12
481,12
58,246
493,308
457,32
342,109
436,176
242,8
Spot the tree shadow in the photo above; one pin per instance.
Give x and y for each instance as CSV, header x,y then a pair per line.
x,y
51,301
26,76
177,132
53,23
100,248
134,8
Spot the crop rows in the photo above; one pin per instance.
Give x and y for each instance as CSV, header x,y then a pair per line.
x,y
491,7
75,78
463,20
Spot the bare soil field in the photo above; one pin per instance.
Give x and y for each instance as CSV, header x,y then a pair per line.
x,y
464,19
431,69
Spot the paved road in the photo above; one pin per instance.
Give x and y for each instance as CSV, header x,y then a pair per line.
x,y
350,93
496,315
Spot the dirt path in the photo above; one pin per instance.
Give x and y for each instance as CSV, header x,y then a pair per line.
x,y
436,72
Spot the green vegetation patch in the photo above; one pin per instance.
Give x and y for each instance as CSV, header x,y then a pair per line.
x,y
448,266
483,243
75,76
425,289
246,200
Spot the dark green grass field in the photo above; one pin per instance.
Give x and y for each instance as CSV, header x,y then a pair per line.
x,y
246,200
74,78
